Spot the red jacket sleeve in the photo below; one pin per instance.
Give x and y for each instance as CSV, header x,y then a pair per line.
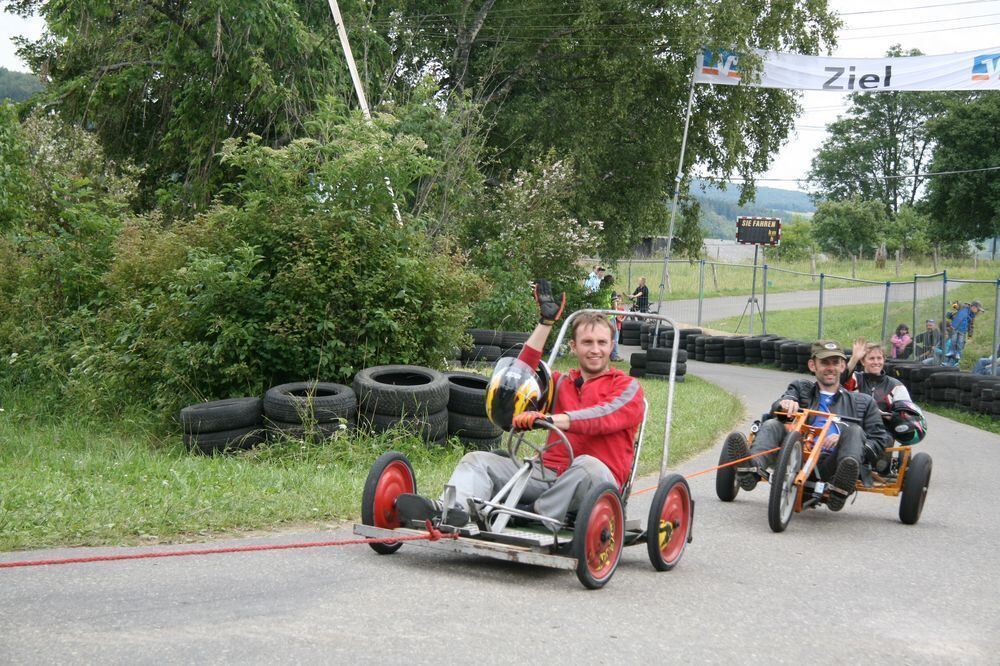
x,y
623,410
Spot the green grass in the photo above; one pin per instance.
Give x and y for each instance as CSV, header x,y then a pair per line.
x,y
987,422
735,279
74,479
845,323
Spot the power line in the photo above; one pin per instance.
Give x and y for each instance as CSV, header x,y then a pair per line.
x,y
926,174
921,32
900,25
908,9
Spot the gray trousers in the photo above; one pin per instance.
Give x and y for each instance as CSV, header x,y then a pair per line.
x,y
482,473
772,433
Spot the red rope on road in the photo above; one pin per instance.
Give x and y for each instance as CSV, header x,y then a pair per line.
x,y
706,471
432,535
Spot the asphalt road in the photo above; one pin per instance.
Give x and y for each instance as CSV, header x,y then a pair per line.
x,y
852,586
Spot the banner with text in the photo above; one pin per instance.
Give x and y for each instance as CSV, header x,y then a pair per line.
x,y
972,70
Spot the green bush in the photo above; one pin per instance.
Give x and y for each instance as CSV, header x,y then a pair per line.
x,y
303,272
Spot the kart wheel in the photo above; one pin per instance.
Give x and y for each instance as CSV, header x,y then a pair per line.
x,y
727,487
597,536
669,525
781,504
390,476
918,477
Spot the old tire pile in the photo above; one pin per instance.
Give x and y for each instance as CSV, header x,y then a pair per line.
x,y
654,363
488,345
948,387
408,396
631,333
649,336
467,412
223,425
317,410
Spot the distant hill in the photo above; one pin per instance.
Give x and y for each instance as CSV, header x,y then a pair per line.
x,y
719,208
17,86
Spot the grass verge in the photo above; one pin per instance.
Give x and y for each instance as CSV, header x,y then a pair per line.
x,y
75,479
987,422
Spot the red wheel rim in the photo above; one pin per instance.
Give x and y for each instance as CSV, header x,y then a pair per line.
x,y
675,519
604,536
395,480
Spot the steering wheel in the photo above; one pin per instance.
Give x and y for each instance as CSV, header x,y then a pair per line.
x,y
515,442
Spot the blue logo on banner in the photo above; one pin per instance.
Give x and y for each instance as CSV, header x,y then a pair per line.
x,y
719,62
986,67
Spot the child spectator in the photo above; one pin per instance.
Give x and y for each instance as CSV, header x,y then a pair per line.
x,y
963,320
901,341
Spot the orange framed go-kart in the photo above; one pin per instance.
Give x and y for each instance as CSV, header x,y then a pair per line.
x,y
795,484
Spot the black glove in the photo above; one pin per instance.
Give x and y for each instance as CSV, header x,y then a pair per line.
x,y
549,311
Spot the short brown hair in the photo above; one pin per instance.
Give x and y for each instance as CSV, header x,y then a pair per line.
x,y
592,319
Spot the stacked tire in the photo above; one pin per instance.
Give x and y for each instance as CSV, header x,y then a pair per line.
x,y
769,350
467,418
407,396
650,336
309,410
734,349
658,361
715,349
753,353
788,355
487,346
699,346
631,333
803,352
223,425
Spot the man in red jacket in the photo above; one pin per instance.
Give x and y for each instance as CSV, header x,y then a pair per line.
x,y
599,407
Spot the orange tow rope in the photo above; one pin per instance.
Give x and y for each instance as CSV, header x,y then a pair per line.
x,y
712,469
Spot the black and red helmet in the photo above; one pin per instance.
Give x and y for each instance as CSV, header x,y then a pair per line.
x,y
906,422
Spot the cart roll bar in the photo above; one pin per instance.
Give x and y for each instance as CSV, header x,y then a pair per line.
x,y
673,363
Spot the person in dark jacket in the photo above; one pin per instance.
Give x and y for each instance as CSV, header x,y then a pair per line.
x,y
855,443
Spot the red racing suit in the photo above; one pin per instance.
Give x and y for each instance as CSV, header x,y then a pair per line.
x,y
605,413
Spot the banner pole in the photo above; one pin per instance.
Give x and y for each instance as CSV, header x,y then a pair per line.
x,y
358,89
677,191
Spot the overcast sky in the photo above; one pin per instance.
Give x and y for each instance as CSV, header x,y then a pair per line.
x,y
935,27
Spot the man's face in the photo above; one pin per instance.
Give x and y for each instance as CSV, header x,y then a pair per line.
x,y
930,326
592,346
975,309
827,371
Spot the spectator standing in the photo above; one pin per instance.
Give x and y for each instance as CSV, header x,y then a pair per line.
x,y
593,283
900,341
963,320
641,296
928,341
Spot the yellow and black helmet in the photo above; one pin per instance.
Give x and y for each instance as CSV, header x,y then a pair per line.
x,y
515,388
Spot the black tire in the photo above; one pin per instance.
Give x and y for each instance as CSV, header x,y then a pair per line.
x,y
488,353
668,527
513,338
430,427
663,368
386,480
781,503
467,392
486,336
918,478
318,431
665,354
598,536
638,360
394,390
727,486
302,402
224,441
679,378
479,427
221,415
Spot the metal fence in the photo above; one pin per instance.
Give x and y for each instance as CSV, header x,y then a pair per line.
x,y
816,305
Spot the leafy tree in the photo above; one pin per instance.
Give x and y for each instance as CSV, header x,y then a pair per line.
x,y
966,206
882,137
797,242
850,226
908,232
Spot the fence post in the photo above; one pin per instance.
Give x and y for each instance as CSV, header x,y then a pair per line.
x,y
897,263
763,310
820,333
944,293
996,329
914,313
885,311
812,267
701,288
